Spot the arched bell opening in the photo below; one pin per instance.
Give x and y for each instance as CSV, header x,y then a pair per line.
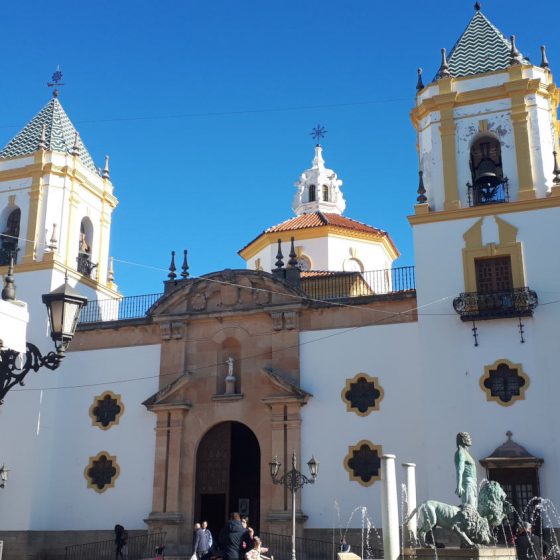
x,y
9,236
489,185
85,242
228,464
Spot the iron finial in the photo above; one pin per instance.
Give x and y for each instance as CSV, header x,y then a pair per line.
x,y
43,139
185,267
556,170
318,132
9,290
56,81
544,60
106,174
75,151
509,433
293,255
111,271
172,267
421,198
419,83
515,56
477,6
53,241
279,256
444,68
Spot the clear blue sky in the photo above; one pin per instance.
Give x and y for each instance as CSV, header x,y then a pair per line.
x,y
257,75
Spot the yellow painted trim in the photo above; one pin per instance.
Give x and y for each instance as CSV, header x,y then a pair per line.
x,y
33,215
90,483
369,379
97,400
520,372
524,86
520,121
102,192
508,246
351,449
484,210
449,158
271,238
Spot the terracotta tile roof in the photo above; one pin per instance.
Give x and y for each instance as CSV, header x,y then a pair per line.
x,y
320,219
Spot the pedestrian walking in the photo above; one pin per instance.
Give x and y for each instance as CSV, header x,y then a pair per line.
x,y
529,546
121,537
256,553
202,541
232,537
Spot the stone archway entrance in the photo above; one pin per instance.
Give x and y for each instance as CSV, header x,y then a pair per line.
x,y
227,475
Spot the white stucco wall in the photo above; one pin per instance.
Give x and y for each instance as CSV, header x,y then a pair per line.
x,y
328,359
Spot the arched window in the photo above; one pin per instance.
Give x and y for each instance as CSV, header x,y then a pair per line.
x,y
488,182
9,237
85,266
312,193
326,193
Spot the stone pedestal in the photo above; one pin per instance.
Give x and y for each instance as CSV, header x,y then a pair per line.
x,y
489,553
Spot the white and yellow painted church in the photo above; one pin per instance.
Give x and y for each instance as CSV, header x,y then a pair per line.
x,y
319,346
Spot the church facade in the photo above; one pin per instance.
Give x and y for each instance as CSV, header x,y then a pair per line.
x,y
319,347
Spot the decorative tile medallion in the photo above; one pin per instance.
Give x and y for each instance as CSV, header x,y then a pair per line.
x,y
102,472
363,462
106,410
504,382
362,394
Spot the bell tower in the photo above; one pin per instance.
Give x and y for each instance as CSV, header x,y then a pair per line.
x,y
56,205
488,199
487,124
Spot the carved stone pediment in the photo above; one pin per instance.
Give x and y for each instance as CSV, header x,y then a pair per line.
x,y
227,291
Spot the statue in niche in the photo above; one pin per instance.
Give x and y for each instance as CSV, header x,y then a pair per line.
x,y
230,378
478,513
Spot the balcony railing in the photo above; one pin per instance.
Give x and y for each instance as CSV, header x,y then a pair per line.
x,y
6,254
85,266
318,285
519,302
488,193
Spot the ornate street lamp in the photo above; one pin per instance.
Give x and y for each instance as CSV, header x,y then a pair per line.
x,y
63,307
293,480
3,476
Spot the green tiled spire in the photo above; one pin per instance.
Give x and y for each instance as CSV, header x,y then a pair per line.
x,y
60,135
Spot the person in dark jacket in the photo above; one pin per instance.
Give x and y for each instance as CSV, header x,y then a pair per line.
x,y
202,542
529,546
232,538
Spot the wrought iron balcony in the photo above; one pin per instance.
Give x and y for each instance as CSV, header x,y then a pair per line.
x,y
85,266
519,302
488,192
6,254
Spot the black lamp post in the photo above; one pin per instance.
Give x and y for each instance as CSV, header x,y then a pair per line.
x,y
294,480
63,307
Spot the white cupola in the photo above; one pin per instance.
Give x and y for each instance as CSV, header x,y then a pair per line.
x,y
318,189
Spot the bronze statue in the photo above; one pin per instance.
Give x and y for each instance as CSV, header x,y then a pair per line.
x,y
465,467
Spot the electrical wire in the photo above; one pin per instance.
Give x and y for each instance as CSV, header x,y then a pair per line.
x,y
233,113
198,369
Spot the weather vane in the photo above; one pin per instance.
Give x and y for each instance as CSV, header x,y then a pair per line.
x,y
56,77
318,132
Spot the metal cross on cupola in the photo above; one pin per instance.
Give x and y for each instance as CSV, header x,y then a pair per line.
x,y
56,81
318,132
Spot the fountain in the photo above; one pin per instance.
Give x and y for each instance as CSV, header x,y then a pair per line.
x,y
480,512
